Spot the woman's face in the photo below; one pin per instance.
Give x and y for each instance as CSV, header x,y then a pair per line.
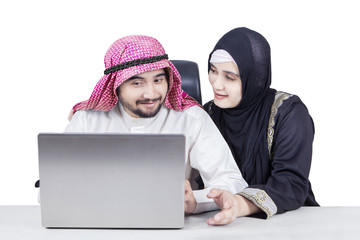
x,y
226,83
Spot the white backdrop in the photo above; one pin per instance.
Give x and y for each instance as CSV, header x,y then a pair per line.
x,y
51,56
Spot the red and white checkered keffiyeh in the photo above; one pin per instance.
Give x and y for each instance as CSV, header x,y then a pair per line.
x,y
127,49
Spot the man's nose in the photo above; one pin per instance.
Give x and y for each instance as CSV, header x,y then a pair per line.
x,y
150,91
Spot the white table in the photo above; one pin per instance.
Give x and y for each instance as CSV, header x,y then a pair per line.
x,y
23,222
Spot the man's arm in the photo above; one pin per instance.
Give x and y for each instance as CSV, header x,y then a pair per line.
x,y
212,157
76,123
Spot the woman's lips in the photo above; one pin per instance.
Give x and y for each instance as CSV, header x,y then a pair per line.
x,y
219,96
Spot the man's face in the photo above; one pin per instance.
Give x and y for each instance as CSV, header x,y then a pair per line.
x,y
143,94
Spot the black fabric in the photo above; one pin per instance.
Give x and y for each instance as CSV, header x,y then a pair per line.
x,y
134,63
285,176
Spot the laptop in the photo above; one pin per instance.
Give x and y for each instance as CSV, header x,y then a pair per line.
x,y
112,180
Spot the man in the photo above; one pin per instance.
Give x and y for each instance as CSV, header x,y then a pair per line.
x,y
141,93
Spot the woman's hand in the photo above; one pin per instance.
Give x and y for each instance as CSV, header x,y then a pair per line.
x,y
232,206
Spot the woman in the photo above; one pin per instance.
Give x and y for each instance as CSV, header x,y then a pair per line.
x,y
270,133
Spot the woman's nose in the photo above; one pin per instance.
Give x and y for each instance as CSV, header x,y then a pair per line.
x,y
217,83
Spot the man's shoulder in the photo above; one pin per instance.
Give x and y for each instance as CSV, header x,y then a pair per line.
x,y
193,112
90,113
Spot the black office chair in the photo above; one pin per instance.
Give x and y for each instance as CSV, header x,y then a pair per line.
x,y
190,80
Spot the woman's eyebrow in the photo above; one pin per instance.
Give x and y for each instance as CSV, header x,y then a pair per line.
x,y
229,72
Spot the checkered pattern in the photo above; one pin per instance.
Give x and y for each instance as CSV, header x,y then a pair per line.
x,y
127,49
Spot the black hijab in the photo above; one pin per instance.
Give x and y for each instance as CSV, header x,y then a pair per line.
x,y
244,127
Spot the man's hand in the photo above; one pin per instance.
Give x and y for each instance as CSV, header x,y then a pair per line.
x,y
190,202
232,206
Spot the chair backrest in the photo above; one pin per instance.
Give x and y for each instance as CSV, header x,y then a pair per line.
x,y
190,80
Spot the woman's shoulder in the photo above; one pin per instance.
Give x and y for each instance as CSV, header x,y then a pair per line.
x,y
288,115
285,102
207,106
288,108
284,97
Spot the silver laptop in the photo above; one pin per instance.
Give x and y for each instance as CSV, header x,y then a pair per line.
x,y
112,180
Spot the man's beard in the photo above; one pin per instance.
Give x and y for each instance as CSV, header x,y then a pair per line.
x,y
138,111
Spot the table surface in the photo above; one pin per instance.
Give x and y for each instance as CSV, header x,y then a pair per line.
x,y
23,222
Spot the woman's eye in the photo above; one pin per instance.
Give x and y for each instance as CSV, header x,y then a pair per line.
x,y
230,78
212,70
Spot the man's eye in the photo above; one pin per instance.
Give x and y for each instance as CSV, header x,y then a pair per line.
x,y
158,80
136,83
